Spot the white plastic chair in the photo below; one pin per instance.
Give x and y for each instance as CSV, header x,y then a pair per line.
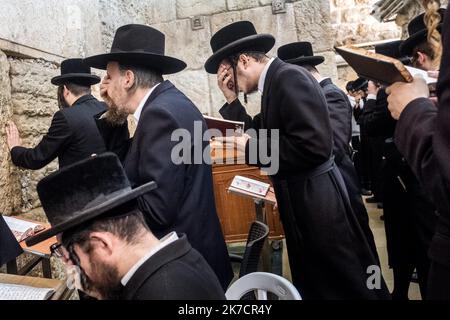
x,y
262,282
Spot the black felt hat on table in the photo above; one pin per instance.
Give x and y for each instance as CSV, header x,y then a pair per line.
x,y
140,46
418,33
392,49
299,53
234,38
83,192
75,71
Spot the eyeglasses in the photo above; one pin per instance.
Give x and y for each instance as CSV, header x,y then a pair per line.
x,y
57,250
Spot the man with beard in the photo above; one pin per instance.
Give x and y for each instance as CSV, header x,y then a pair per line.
x,y
328,253
184,201
103,235
73,135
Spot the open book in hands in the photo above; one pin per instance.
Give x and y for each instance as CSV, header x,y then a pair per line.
x,y
22,229
380,68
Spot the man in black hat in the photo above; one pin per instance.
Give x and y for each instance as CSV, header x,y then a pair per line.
x,y
94,212
134,85
340,109
417,45
328,252
409,216
422,136
73,135
9,247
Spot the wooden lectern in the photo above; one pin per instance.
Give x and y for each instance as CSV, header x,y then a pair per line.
x,y
236,213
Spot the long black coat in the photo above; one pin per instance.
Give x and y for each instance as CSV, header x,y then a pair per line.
x,y
72,136
9,247
328,252
184,200
176,272
340,111
422,136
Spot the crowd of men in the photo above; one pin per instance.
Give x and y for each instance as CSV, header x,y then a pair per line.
x,y
136,224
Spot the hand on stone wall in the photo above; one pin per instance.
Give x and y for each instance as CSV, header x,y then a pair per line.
x,y
12,136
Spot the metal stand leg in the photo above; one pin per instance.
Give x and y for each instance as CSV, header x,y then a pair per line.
x,y
46,268
11,267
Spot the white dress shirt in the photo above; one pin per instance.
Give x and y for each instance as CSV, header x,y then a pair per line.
x,y
137,113
262,78
164,242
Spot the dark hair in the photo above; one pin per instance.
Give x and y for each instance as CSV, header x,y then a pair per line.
x,y
349,86
234,59
143,77
425,48
75,89
128,226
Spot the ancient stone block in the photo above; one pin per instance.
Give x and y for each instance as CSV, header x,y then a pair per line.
x,y
328,68
190,8
241,4
313,23
194,84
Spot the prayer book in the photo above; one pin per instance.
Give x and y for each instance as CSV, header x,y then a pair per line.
x,y
22,229
21,292
377,67
223,125
252,188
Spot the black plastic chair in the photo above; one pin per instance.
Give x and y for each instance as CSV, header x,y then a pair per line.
x,y
255,242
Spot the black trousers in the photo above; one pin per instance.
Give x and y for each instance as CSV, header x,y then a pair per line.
x,y
439,282
328,253
410,222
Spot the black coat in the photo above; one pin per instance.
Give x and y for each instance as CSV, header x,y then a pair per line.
x,y
184,200
72,136
176,272
422,136
328,252
9,247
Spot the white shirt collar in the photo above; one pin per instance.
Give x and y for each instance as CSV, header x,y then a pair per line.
x,y
164,242
262,78
137,113
322,79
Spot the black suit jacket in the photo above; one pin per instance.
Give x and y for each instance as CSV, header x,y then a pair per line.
x,y
235,111
9,247
340,111
422,136
72,136
306,139
184,200
176,272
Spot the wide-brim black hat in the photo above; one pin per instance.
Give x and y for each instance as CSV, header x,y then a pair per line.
x,y
360,84
299,53
75,71
84,191
418,33
140,46
392,49
235,38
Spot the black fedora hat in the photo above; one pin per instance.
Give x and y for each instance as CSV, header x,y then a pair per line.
x,y
418,33
299,53
360,84
392,49
84,191
234,38
75,71
138,45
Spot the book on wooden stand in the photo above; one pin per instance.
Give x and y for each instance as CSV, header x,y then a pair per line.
x,y
23,229
253,189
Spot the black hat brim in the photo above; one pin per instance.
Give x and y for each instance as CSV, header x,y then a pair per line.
x,y
164,64
91,213
310,61
408,45
81,78
264,41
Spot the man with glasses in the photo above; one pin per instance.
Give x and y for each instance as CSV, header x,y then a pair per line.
x,y
105,240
